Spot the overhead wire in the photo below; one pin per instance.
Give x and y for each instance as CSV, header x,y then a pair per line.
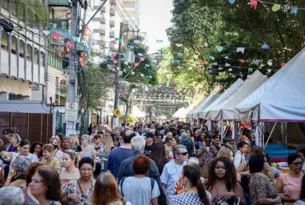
x,y
128,15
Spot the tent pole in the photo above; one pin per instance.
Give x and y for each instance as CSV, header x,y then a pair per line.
x,y
221,130
270,134
286,135
235,135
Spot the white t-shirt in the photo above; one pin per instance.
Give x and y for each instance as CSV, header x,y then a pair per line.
x,y
138,190
170,175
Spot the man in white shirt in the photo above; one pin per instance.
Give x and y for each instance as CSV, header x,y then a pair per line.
x,y
173,169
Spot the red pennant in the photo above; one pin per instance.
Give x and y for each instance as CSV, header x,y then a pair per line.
x,y
283,64
253,3
241,60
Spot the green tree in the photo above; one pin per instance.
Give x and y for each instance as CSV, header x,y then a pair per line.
x,y
202,25
94,84
144,73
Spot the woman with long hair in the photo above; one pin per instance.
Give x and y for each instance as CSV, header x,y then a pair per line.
x,y
261,191
56,142
158,155
69,171
108,146
36,149
194,189
106,191
222,182
87,149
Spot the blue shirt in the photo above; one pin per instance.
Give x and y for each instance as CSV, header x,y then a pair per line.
x,y
116,156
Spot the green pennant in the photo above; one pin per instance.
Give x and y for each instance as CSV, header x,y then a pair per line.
x,y
118,39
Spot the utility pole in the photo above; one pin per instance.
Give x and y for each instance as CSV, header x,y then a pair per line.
x,y
117,78
72,68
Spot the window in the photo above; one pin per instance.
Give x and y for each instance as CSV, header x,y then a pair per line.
x,y
29,52
14,45
36,60
21,49
4,41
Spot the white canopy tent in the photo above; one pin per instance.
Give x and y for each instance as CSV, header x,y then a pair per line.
x,y
137,112
225,109
209,100
180,113
222,97
281,98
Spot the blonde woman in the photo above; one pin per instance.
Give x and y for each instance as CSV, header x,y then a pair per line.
x,y
74,141
56,142
226,152
108,146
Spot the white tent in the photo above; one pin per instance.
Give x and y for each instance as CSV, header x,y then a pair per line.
x,y
225,109
230,91
180,113
137,112
281,98
208,101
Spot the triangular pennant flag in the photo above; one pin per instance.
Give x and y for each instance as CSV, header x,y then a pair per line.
x,y
241,60
212,58
240,49
46,33
265,46
147,65
180,54
231,1
276,7
283,64
179,44
159,41
114,53
203,62
219,48
163,51
131,47
140,54
137,41
142,59
113,42
253,3
115,61
118,39
55,35
294,10
75,38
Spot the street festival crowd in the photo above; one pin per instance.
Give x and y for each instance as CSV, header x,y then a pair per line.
x,y
147,163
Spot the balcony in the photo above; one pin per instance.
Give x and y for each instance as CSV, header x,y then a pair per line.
x,y
59,24
100,19
112,23
59,3
112,11
111,34
100,31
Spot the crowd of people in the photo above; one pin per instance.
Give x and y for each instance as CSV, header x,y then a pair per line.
x,y
172,163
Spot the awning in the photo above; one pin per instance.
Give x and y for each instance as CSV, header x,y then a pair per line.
x,y
23,106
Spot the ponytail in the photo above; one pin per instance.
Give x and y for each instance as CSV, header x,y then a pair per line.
x,y
202,193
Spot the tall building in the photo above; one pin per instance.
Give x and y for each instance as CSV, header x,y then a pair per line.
x,y
102,27
130,10
23,53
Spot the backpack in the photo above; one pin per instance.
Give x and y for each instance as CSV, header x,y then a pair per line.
x,y
152,184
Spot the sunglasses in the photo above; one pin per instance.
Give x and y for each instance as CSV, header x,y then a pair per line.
x,y
184,153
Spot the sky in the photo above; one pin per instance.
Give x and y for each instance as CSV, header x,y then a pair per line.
x,y
155,17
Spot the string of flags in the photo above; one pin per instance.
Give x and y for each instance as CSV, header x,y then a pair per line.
x,y
275,6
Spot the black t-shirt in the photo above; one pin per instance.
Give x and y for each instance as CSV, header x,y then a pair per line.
x,y
147,149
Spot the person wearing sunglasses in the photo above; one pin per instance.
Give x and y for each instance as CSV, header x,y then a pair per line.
x,y
288,185
173,169
6,138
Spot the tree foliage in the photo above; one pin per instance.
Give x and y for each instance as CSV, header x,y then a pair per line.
x,y
94,84
202,25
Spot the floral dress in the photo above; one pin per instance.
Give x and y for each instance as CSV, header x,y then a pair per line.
x,y
85,197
